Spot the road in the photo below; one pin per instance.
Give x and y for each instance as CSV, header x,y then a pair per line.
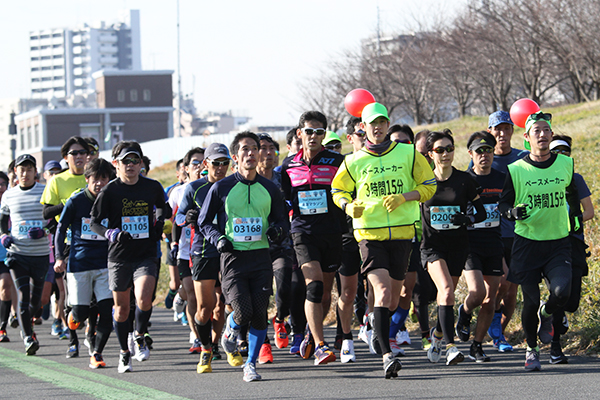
x,y
170,373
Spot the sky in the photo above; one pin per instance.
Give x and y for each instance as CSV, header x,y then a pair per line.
x,y
248,57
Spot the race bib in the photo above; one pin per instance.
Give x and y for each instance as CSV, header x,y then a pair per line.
x,y
312,202
247,229
136,226
492,218
440,217
86,230
22,227
187,233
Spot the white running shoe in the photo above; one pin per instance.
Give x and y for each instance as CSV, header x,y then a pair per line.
x,y
347,351
229,337
396,350
403,338
179,304
250,373
124,363
453,355
362,334
435,351
131,343
142,353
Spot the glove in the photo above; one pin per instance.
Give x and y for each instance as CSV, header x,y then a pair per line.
x,y
174,251
7,241
224,246
519,212
461,219
393,201
158,228
191,217
354,209
117,236
36,233
52,225
274,233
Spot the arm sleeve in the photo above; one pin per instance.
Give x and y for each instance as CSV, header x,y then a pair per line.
x,y
66,218
286,184
343,185
99,212
4,220
507,198
480,213
212,204
50,211
424,178
277,216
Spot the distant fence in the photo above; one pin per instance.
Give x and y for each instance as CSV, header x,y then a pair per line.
x,y
166,150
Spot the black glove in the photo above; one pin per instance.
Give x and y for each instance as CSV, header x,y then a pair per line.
x,y
191,217
224,246
174,251
519,213
158,228
461,219
124,237
274,233
52,225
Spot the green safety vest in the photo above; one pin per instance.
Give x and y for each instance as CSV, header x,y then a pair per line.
x,y
544,193
377,176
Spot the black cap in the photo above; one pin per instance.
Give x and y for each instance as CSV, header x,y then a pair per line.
x,y
216,150
126,151
23,158
479,143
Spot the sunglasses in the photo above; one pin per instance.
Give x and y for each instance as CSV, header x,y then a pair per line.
x,y
406,141
441,150
542,116
142,171
134,161
219,163
333,146
310,131
75,153
195,163
360,133
484,150
93,152
561,151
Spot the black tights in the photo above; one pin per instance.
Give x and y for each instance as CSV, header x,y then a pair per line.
x,y
252,310
104,325
30,298
282,271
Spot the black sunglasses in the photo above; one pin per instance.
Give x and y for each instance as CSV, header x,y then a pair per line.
x,y
483,150
219,163
336,146
75,153
441,149
310,131
360,133
134,161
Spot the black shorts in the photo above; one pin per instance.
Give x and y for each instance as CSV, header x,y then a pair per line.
x,y
350,263
392,255
122,275
183,266
508,244
246,272
205,268
35,266
455,258
531,259
489,263
326,249
414,263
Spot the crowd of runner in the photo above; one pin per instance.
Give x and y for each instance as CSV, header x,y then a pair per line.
x,y
393,224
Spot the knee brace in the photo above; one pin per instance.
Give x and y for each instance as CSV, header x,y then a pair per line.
x,y
314,292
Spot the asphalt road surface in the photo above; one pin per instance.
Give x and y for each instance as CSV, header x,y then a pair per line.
x,y
170,373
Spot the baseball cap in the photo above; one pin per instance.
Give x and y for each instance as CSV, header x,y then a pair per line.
x,y
331,136
372,111
23,158
499,117
216,150
52,164
557,143
126,151
479,143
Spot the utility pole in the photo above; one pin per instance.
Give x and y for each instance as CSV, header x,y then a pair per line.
x,y
178,78
12,132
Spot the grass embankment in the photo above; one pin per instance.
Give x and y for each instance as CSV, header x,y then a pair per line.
x,y
581,122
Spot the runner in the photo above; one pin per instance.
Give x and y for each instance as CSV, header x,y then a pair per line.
x,y
537,194
317,226
6,284
87,274
26,244
444,245
242,234
389,179
133,231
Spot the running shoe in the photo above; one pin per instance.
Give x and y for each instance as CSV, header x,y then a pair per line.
x,y
235,359
463,324
391,366
142,352
96,361
476,353
131,343
557,356
435,350
453,355
502,345
545,328
243,348
495,329
250,373
364,334
73,351
403,338
396,350
347,351
13,321
90,342
281,335
148,340
169,299
65,334
426,343
184,319
532,360
196,347
265,356
31,345
229,337
297,341
204,365
307,347
37,321
176,316
56,328
413,314
4,337
323,355
71,323
179,304
124,363
216,355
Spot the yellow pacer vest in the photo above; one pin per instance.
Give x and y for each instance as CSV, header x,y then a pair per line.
x,y
377,176
544,193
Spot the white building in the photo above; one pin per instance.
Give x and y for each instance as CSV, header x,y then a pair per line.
x,y
63,60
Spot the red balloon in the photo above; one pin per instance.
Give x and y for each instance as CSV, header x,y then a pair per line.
x,y
521,109
356,100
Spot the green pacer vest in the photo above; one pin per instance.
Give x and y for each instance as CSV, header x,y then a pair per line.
x,y
377,176
543,191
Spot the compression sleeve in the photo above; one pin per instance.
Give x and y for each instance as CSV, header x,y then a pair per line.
x,y
51,211
342,185
507,198
99,212
4,221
